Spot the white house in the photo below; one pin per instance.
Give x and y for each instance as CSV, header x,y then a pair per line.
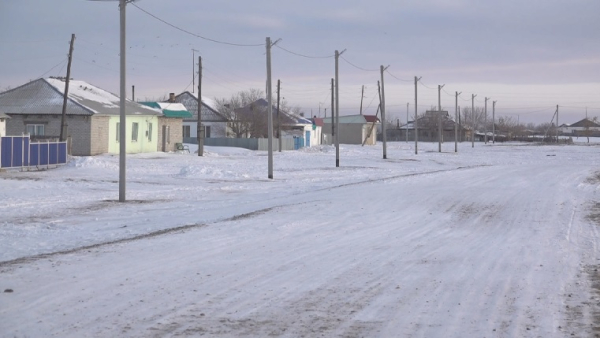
x,y
585,127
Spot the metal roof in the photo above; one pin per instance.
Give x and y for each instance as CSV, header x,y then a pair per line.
x,y
169,109
209,111
45,97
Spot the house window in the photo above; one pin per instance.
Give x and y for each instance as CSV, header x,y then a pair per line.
x,y
186,131
149,131
207,131
134,131
35,129
118,131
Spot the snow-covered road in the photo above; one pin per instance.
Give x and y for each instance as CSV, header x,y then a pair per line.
x,y
495,241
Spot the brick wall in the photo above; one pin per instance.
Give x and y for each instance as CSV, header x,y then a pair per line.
x,y
78,128
99,135
176,133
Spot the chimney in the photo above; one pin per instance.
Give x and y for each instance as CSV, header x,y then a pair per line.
x,y
171,97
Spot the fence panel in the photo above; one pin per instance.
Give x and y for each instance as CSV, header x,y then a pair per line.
x,y
6,152
17,151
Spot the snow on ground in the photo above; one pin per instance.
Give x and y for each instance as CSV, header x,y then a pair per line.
x,y
493,241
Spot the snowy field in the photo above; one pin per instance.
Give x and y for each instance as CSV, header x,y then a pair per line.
x,y
493,241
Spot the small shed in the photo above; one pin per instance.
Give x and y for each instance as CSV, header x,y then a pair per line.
x,y
354,129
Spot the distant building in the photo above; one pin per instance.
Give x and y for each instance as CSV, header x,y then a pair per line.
x,y
353,129
584,127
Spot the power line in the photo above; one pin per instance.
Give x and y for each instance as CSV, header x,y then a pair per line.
x,y
397,78
305,56
424,85
357,67
194,34
58,64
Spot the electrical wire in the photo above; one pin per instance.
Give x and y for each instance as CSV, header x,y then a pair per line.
x,y
357,67
397,78
194,34
58,64
305,56
424,85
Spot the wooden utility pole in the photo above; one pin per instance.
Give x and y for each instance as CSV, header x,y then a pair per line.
x,y
63,120
415,127
383,118
407,103
278,118
440,129
456,117
473,96
485,120
362,95
194,68
199,127
557,122
494,122
132,93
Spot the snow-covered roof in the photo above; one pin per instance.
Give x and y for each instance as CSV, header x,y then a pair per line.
x,y
45,97
209,107
358,119
287,118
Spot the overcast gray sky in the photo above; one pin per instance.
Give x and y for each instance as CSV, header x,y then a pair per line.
x,y
529,55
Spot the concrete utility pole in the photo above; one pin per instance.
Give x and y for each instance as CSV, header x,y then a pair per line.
x,y
456,116
337,108
407,103
383,121
415,127
494,122
193,68
278,117
200,128
473,96
362,95
63,125
440,128
332,111
485,120
122,119
270,108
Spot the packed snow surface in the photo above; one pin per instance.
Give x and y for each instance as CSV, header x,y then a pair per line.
x,y
495,240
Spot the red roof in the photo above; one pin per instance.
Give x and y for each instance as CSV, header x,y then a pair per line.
x,y
371,118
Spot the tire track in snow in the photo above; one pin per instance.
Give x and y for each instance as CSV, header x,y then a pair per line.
x,y
108,203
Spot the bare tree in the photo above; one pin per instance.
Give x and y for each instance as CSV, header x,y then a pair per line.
x,y
241,124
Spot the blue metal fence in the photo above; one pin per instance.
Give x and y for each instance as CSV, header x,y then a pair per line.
x,y
19,152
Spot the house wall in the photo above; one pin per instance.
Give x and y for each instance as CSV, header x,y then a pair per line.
x,y
99,135
2,127
146,143
315,135
217,129
175,126
78,128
